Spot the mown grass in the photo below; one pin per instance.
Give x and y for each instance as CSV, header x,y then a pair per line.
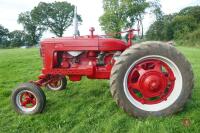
x,y
85,106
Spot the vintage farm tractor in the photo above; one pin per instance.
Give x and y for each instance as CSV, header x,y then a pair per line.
x,y
146,79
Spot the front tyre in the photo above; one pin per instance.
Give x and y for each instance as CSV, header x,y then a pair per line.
x,y
57,84
151,79
28,99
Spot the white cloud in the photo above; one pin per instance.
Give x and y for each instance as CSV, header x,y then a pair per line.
x,y
172,6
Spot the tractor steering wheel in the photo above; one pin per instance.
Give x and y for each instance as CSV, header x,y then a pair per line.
x,y
140,30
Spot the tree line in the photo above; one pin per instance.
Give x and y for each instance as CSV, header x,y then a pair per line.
x,y
58,16
55,17
118,15
183,27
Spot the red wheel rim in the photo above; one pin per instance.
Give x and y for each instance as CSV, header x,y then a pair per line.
x,y
55,83
151,81
27,100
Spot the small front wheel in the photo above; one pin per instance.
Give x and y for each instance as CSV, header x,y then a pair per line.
x,y
28,99
57,84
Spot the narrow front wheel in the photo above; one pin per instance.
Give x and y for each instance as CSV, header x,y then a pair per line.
x,y
28,98
57,84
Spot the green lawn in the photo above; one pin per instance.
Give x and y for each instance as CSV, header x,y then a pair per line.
x,y
85,106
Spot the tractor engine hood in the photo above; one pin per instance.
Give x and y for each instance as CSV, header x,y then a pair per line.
x,y
96,43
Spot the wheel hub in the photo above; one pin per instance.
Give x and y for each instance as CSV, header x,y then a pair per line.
x,y
55,83
152,84
151,81
27,100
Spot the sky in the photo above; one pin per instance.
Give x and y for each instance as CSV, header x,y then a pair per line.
x,y
90,11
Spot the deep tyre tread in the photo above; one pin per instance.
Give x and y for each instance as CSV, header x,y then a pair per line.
x,y
138,51
37,91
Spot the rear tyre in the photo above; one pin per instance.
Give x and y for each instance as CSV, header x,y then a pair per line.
x,y
151,79
28,99
57,84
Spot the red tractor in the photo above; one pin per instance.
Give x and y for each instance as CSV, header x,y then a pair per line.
x,y
146,79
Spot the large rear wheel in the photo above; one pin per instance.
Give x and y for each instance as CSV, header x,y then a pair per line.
x,y
151,79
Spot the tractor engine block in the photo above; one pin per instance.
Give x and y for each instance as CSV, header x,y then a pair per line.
x,y
92,64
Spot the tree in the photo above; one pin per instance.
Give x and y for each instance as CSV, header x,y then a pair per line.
x,y
4,33
155,7
32,28
175,26
161,29
133,10
121,14
17,38
112,20
191,11
155,31
183,24
56,16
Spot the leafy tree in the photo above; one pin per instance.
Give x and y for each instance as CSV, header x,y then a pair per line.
x,y
112,19
161,29
175,26
32,28
56,16
155,31
133,10
17,38
182,25
4,33
155,7
191,11
121,14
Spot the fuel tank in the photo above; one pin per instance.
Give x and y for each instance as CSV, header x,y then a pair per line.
x,y
111,44
85,43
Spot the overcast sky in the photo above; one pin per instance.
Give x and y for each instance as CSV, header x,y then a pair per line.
x,y
90,11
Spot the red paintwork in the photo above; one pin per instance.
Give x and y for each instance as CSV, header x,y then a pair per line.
x,y
27,100
149,84
57,60
110,44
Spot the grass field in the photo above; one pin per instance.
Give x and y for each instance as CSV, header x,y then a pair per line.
x,y
85,106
